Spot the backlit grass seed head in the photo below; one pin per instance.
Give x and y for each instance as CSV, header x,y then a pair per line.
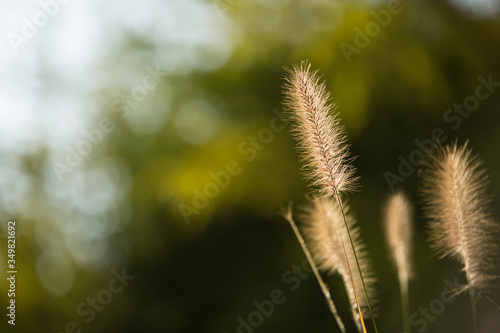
x,y
320,138
398,229
325,230
457,205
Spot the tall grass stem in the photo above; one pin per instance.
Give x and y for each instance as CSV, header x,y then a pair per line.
x,y
339,201
288,216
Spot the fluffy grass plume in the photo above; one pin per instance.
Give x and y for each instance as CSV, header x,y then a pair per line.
x,y
320,138
325,232
461,224
457,204
398,231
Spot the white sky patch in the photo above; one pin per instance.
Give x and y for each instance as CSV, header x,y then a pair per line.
x,y
481,7
46,88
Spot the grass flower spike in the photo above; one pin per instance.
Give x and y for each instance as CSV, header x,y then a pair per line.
x,y
457,204
326,233
461,224
320,137
398,229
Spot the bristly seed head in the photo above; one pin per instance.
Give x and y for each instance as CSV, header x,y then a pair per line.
x,y
325,232
320,138
461,223
398,229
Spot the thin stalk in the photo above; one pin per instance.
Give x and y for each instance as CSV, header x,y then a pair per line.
x,y
405,304
321,283
362,321
473,308
339,201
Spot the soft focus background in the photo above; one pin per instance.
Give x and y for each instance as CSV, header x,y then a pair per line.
x,y
140,137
